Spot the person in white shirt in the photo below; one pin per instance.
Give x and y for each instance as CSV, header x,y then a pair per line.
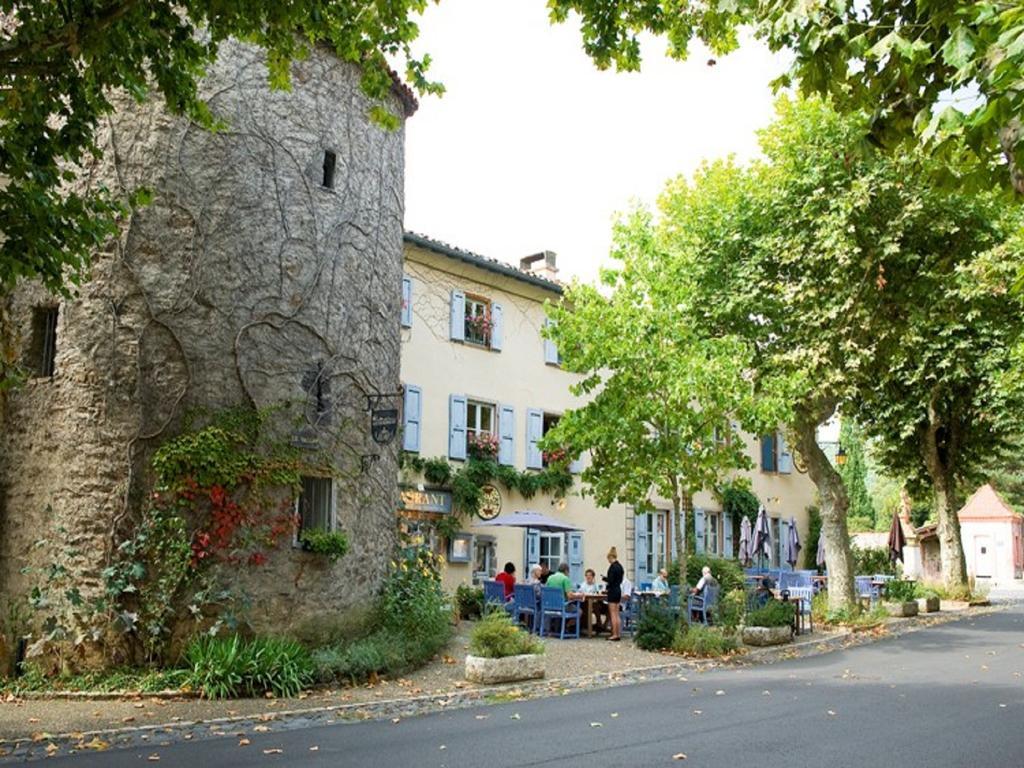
x,y
706,580
627,588
589,585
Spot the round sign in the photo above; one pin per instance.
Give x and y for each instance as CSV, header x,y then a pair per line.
x,y
490,503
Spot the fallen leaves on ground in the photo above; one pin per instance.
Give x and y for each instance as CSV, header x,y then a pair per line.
x,y
679,756
153,758
244,742
273,751
597,725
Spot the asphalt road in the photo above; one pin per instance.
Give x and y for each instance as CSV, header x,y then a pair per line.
x,y
948,696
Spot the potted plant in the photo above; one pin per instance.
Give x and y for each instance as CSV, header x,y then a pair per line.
x,y
928,600
501,652
331,544
770,625
483,445
901,598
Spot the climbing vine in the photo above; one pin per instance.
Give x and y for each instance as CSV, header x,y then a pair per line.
x,y
466,482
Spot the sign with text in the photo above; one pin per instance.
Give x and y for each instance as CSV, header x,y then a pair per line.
x,y
383,424
428,500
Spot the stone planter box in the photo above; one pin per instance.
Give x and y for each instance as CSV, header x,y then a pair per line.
x,y
909,608
507,670
762,636
928,604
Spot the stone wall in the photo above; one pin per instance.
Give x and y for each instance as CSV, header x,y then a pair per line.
x,y
242,281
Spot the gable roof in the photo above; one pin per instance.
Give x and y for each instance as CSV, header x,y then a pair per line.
x,y
482,262
986,504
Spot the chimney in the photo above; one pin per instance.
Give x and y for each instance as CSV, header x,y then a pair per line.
x,y
540,264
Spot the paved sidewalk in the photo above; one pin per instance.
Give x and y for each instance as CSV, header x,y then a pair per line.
x,y
38,727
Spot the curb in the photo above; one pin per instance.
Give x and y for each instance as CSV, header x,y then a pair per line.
x,y
166,733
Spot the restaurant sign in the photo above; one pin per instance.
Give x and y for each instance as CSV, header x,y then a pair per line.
x,y
427,500
383,424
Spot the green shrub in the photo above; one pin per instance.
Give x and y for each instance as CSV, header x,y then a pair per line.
x,y
706,642
497,636
228,667
728,573
775,613
872,560
900,591
732,606
105,681
655,629
810,550
332,544
469,601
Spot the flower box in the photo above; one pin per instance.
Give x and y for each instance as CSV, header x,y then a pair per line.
x,y
928,604
904,609
510,669
764,636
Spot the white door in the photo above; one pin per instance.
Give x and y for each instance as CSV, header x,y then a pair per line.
x,y
984,557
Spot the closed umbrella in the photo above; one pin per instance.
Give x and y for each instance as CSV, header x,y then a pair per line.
x,y
820,560
762,546
793,545
897,541
744,553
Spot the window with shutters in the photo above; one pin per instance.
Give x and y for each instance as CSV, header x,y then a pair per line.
x,y
481,429
770,453
314,509
479,321
42,352
711,533
553,455
551,550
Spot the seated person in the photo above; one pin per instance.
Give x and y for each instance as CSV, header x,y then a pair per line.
x,y
764,590
706,580
535,571
660,584
589,585
561,580
545,571
507,578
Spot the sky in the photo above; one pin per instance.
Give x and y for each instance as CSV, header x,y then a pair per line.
x,y
532,148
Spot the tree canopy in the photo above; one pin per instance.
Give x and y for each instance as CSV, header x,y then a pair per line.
x,y
664,404
59,63
945,72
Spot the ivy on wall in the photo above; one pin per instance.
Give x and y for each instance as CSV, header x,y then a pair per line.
x,y
466,482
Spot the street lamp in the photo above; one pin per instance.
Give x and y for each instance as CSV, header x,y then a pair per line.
x,y
840,456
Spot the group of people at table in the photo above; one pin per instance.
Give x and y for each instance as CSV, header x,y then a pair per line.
x,y
616,588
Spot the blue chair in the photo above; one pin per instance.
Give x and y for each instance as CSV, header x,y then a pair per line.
x,y
646,586
524,601
629,613
702,604
553,605
494,596
865,589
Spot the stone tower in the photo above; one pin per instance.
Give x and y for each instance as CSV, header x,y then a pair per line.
x,y
271,252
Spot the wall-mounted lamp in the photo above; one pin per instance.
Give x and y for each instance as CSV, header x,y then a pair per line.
x,y
840,456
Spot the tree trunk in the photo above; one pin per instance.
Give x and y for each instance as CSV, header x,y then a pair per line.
x,y
939,460
1008,139
834,505
678,521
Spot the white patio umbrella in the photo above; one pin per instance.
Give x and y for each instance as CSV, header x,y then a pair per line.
x,y
762,546
744,553
820,560
793,545
528,519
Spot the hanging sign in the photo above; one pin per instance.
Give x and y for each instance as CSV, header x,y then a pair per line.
x,y
384,424
490,503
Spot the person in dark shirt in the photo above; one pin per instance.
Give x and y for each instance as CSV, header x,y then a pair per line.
x,y
614,581
544,573
507,578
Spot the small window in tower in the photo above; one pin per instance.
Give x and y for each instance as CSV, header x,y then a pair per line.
x,y
43,349
330,159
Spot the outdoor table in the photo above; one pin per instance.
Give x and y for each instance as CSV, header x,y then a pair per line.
x,y
588,603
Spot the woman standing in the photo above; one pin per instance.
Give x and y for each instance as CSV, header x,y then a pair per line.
x,y
614,580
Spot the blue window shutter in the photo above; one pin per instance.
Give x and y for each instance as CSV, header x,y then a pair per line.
x,y
698,524
534,432
506,435
497,326
458,316
531,550
640,549
406,301
411,411
550,348
785,457
768,453
576,557
728,551
457,427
